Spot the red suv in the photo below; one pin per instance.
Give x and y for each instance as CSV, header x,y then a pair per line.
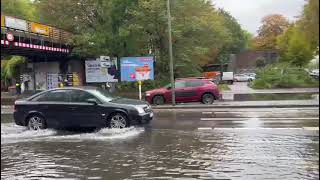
x,y
186,90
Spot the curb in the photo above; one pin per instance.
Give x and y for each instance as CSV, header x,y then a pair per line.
x,y
233,106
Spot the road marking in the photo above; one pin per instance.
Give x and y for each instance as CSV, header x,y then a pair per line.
x,y
206,112
258,118
204,128
262,128
311,128
259,128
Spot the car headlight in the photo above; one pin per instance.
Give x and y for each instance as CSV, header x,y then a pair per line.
x,y
140,110
148,94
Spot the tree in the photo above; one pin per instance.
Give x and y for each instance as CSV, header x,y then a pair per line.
x,y
299,52
24,9
10,68
272,26
309,22
136,27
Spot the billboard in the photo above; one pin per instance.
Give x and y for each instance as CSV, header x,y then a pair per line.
x,y
39,28
15,23
96,74
137,68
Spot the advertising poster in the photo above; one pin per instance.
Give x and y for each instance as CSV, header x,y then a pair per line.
x,y
15,23
137,68
39,28
97,74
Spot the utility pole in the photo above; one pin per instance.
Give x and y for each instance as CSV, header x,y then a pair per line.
x,y
170,56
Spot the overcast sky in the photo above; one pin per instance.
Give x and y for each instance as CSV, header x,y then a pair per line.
x,y
250,12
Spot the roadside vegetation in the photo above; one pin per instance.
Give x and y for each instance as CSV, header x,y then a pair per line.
x,y
283,75
297,43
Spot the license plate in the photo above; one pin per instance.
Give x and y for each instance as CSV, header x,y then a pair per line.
x,y
151,114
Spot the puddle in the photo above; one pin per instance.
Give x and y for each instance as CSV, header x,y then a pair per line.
x,y
275,96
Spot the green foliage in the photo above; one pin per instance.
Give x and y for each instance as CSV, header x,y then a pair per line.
x,y
24,9
223,87
298,52
261,62
136,27
309,22
146,85
283,75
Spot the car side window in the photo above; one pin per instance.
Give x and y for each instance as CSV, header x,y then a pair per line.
x,y
81,96
180,84
194,83
53,96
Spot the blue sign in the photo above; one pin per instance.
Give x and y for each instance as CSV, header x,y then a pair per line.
x,y
136,68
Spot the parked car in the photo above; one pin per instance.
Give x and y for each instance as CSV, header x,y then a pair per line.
x,y
250,74
78,108
186,90
314,73
243,78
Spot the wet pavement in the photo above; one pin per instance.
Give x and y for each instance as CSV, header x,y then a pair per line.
x,y
271,143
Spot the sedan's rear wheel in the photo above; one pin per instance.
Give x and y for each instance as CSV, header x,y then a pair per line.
x,y
207,98
118,121
158,100
36,122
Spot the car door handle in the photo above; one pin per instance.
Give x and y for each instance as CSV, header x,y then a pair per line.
x,y
72,108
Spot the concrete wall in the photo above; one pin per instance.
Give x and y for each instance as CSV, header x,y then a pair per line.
x,y
41,69
247,60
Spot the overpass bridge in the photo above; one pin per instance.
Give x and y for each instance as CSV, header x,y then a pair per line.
x,y
32,39
46,48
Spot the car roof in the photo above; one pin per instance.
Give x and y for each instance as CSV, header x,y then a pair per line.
x,y
78,88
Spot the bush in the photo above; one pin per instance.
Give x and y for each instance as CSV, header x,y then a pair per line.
x,y
283,76
146,85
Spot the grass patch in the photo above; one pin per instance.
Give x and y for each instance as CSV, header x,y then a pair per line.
x,y
223,87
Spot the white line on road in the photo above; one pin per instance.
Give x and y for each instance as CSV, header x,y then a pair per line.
x,y
204,128
206,112
311,128
259,118
261,128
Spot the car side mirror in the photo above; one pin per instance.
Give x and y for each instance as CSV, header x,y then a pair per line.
x,y
92,101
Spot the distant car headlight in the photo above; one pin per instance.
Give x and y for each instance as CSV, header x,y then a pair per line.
x,y
140,110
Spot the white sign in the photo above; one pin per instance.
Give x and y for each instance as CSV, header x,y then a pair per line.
x,y
105,61
10,36
96,73
15,23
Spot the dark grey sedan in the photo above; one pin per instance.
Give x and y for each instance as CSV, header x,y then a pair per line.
x,y
80,108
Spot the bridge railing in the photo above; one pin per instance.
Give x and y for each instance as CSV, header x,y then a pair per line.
x,y
31,27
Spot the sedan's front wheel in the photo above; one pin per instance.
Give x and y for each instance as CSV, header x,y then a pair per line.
x,y
36,122
118,121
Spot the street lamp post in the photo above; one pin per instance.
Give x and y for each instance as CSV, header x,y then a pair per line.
x,y
170,56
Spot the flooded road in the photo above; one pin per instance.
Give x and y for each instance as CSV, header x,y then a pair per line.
x,y
209,144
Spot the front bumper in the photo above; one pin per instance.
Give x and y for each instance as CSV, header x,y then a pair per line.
x,y
143,118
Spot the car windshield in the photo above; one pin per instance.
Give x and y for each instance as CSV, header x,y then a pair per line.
x,y
103,95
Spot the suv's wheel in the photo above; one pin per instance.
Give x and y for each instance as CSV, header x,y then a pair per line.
x,y
207,98
36,122
158,100
118,121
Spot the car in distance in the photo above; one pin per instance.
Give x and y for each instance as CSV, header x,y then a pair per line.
x,y
186,90
83,107
243,78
